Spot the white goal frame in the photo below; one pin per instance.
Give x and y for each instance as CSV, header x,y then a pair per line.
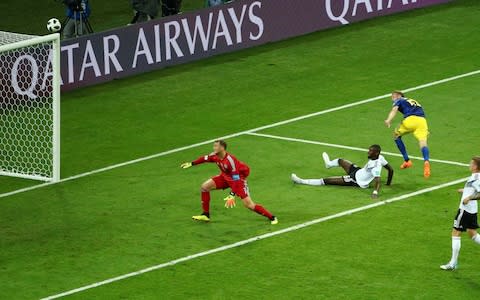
x,y
56,85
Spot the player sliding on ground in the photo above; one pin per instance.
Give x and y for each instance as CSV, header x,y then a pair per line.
x,y
361,177
414,122
233,174
466,219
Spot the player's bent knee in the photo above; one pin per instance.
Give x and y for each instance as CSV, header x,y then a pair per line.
x,y
204,188
422,143
471,232
207,186
456,232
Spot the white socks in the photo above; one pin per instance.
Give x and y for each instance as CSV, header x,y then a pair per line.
x,y
333,163
456,245
476,238
313,181
299,180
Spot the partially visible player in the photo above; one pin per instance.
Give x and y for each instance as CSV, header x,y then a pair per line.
x,y
361,177
414,121
466,218
233,174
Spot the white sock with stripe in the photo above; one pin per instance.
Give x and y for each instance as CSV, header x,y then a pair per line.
x,y
333,163
476,238
456,245
313,181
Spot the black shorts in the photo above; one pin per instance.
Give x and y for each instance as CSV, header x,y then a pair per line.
x,y
465,220
350,178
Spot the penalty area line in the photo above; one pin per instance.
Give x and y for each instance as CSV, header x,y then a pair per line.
x,y
252,240
276,124
289,139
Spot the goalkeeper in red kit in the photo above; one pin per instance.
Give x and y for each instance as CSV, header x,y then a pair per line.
x,y
233,175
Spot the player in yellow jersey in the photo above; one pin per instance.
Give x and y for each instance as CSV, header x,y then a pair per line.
x,y
414,121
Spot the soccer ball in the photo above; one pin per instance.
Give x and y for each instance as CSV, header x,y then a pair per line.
x,y
54,25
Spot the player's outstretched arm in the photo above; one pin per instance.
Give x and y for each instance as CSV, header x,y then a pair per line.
x,y
391,116
200,160
390,173
377,182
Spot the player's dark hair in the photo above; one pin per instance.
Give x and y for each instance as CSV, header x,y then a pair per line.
x,y
376,148
476,159
399,92
222,143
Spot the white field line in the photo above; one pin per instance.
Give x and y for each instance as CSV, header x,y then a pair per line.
x,y
277,137
160,154
253,239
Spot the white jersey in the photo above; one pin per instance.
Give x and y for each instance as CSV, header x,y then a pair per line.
x,y
372,169
472,186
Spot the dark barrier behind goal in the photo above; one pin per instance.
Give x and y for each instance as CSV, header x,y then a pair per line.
x,y
192,36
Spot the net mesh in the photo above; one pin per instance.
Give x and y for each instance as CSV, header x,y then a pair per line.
x,y
10,37
26,109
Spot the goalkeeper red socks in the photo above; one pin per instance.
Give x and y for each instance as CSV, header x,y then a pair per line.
x,y
206,207
206,203
262,211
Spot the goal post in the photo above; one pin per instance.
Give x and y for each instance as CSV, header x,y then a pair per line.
x,y
30,106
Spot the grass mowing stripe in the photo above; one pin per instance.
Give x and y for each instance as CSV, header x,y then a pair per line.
x,y
254,239
277,137
160,154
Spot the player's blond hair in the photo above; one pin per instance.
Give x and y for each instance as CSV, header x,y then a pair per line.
x,y
399,93
476,159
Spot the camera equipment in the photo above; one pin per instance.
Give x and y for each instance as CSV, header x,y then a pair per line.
x,y
78,14
75,5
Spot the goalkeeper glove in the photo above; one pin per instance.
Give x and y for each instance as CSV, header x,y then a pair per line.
x,y
230,200
186,165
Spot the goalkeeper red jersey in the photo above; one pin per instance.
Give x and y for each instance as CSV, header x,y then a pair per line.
x,y
231,168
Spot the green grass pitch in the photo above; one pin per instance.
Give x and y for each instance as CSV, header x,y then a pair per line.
x,y
81,231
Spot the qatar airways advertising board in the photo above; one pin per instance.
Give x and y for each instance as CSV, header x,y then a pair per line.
x,y
192,36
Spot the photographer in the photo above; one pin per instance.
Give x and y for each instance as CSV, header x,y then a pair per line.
x,y
210,3
144,10
76,24
171,7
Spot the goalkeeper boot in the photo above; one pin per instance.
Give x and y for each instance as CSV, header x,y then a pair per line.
x,y
274,220
406,164
203,217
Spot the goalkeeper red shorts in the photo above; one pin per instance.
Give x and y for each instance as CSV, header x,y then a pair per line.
x,y
239,187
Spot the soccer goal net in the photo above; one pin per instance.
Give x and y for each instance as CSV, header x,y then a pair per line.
x,y
30,106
